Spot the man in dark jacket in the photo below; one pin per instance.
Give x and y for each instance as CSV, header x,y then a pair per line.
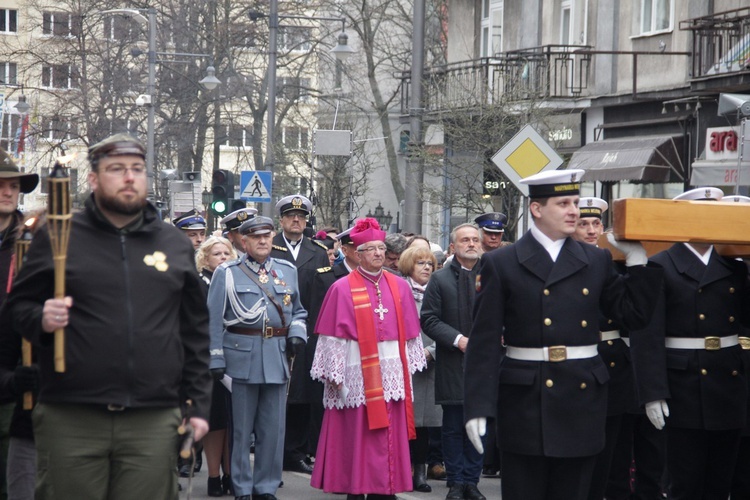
x,y
307,256
690,355
12,184
136,340
547,388
446,318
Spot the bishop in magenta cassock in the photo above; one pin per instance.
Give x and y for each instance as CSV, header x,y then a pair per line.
x,y
368,348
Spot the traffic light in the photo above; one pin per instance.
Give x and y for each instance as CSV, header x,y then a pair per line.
x,y
236,204
222,189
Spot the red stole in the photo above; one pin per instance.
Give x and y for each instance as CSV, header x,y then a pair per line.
x,y
377,415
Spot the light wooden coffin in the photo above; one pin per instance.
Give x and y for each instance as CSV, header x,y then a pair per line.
x,y
660,223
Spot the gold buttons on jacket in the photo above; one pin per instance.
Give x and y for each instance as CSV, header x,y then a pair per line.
x,y
583,385
547,322
585,291
549,383
609,321
584,324
701,316
731,319
609,342
731,289
734,373
612,364
704,371
546,291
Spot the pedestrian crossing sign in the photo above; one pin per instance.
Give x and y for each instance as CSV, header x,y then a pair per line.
x,y
255,185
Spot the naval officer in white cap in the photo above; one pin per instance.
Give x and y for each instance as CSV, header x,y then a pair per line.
x,y
691,375
542,298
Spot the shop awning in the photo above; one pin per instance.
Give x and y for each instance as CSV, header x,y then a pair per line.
x,y
637,159
719,173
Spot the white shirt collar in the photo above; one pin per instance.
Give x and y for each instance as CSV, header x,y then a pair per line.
x,y
552,247
705,257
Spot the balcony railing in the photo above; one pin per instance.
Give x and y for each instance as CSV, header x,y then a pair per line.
x,y
721,43
550,71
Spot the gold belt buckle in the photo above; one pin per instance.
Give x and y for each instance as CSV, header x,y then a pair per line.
x,y
269,332
713,343
745,342
557,353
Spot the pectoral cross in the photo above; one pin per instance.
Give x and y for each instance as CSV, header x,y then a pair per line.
x,y
381,310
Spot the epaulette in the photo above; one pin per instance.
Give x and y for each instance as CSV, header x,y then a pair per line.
x,y
325,269
283,262
319,244
277,247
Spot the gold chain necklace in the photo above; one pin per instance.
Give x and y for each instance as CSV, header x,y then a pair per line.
x,y
380,310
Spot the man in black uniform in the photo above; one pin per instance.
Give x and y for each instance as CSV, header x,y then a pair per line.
x,y
696,363
543,296
307,256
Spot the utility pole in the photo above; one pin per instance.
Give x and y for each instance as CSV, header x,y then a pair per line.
x,y
414,161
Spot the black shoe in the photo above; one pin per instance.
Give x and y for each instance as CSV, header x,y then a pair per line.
x,y
471,492
226,485
355,497
419,481
456,492
244,497
185,469
376,496
198,461
214,487
264,496
299,466
490,471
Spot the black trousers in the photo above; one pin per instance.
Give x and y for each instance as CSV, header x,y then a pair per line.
x,y
741,480
533,477
297,429
701,463
604,459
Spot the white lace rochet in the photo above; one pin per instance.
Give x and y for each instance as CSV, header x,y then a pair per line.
x,y
338,360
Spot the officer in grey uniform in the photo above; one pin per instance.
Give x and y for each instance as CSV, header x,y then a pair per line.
x,y
257,325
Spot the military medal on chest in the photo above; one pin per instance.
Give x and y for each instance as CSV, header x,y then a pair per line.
x,y
287,299
262,275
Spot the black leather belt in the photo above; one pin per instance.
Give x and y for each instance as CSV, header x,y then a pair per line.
x,y
266,332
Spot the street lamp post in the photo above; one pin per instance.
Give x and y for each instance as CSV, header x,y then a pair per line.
x,y
210,82
341,51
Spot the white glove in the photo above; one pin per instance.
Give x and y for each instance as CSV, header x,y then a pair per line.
x,y
635,254
656,411
475,429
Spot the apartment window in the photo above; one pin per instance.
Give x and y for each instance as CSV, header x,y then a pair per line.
x,y
60,24
296,137
11,128
237,136
656,15
565,22
59,76
8,21
59,129
119,28
491,41
8,73
295,38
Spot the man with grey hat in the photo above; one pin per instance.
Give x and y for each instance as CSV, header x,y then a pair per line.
x,y
136,340
257,332
307,256
17,378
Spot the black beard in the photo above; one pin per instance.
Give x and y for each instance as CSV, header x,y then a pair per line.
x,y
116,206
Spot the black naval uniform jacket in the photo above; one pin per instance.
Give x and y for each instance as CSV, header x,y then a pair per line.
x,y
553,409
704,389
616,356
138,329
310,258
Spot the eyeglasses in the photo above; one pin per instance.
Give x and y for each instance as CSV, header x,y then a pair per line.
x,y
380,248
121,170
295,216
425,263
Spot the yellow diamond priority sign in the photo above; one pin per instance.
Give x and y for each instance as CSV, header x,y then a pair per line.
x,y
527,153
